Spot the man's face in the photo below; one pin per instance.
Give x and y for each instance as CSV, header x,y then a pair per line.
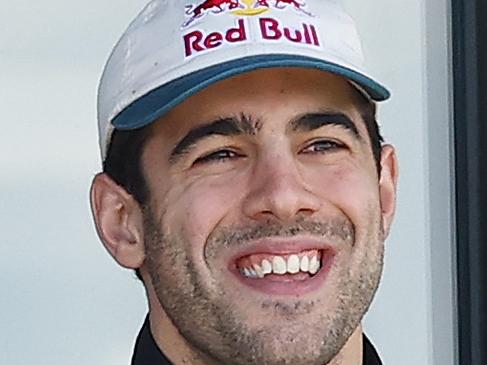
x,y
270,168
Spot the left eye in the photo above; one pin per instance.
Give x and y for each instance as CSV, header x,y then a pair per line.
x,y
322,146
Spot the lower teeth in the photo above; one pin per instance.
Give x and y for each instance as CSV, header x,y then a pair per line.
x,y
288,274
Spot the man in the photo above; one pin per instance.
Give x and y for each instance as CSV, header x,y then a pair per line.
x,y
246,182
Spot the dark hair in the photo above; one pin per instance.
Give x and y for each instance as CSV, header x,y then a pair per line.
x,y
123,159
368,111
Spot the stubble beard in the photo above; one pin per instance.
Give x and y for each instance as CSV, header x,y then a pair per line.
x,y
204,314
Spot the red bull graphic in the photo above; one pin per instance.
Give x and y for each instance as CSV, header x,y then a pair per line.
x,y
215,6
252,8
241,8
283,4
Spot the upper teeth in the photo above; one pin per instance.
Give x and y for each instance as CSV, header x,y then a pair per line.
x,y
281,265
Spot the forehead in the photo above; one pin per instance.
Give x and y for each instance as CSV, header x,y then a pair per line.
x,y
268,94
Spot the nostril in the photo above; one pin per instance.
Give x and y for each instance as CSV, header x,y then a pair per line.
x,y
284,195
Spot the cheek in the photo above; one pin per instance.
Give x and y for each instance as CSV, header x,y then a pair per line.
x,y
201,206
352,189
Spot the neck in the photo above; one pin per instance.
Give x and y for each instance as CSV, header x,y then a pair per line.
x,y
180,352
352,352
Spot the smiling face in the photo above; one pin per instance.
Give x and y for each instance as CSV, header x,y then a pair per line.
x,y
264,230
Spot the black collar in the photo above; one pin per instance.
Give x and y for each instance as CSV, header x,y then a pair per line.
x,y
147,353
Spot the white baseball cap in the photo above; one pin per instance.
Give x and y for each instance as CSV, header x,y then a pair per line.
x,y
174,48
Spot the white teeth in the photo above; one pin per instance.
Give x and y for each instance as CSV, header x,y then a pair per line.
x,y
314,265
266,267
258,271
253,274
293,264
278,265
305,264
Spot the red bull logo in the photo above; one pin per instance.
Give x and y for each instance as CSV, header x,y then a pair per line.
x,y
241,8
249,13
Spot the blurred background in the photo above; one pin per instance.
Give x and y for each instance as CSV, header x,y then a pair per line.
x,y
63,300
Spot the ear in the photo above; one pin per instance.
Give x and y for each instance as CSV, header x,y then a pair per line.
x,y
388,186
118,221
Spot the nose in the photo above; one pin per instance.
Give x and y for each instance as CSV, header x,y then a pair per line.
x,y
278,190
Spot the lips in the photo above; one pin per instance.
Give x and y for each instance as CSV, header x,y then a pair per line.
x,y
283,267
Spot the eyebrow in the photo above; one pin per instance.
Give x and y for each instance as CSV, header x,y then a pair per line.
x,y
312,121
229,126
245,124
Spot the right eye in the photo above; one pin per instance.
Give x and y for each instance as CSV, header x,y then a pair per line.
x,y
217,156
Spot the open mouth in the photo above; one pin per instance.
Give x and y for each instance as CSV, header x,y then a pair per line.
x,y
291,273
262,266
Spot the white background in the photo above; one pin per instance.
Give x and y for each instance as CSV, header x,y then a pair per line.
x,y
63,300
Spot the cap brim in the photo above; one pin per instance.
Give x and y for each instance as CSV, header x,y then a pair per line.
x,y
159,101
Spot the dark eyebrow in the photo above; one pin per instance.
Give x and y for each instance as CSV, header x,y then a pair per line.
x,y
230,126
311,121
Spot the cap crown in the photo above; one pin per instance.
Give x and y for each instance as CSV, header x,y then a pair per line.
x,y
171,39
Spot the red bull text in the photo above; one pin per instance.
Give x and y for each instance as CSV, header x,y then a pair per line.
x,y
270,29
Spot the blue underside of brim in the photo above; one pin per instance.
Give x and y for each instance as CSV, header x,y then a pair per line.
x,y
159,101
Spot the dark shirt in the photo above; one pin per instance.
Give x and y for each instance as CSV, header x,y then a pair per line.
x,y
147,353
